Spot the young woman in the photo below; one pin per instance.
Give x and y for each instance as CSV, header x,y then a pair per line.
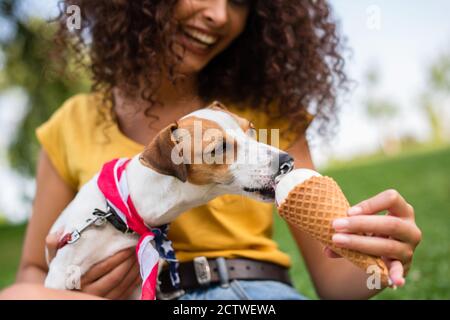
x,y
153,61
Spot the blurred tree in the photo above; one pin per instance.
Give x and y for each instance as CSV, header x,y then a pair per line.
x,y
435,101
430,107
28,64
381,110
439,74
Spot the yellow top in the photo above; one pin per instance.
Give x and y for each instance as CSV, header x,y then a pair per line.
x,y
230,226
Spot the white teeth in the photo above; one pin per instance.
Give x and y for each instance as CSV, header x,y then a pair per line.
x,y
200,36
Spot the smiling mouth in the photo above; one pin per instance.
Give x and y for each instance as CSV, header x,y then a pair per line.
x,y
200,37
196,42
268,192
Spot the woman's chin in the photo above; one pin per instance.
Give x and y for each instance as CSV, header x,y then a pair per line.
x,y
191,65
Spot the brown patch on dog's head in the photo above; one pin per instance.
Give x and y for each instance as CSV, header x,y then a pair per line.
x,y
197,165
158,154
214,144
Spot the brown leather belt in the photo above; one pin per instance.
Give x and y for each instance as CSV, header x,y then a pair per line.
x,y
201,272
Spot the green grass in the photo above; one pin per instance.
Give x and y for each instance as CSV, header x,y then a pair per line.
x,y
11,238
423,179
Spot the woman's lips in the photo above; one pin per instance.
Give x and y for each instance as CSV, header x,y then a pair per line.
x,y
191,45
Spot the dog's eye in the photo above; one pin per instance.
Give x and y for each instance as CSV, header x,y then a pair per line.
x,y
219,148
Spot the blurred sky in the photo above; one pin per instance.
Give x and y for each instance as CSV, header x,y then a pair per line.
x,y
399,37
410,35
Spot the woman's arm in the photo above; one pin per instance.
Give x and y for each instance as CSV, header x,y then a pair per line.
x,y
33,291
52,196
340,279
114,278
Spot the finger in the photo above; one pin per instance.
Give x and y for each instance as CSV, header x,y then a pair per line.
x,y
51,245
110,280
106,266
127,281
376,246
382,225
330,253
389,200
132,289
396,273
123,285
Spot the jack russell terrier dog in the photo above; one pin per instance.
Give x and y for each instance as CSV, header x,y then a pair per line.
x,y
121,204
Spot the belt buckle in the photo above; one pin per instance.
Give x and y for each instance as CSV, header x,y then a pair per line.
x,y
202,270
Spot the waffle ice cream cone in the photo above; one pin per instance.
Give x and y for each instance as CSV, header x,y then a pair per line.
x,y
311,202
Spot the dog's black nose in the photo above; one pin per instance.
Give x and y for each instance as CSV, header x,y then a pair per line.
x,y
286,163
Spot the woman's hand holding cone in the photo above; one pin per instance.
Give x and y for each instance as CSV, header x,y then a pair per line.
x,y
394,236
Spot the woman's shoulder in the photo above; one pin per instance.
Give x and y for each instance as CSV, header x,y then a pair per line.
x,y
70,135
82,107
74,123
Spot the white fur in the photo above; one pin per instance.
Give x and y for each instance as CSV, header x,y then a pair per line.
x,y
158,198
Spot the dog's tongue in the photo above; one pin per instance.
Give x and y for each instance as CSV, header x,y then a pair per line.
x,y
290,181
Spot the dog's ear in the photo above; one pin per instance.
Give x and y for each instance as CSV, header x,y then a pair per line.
x,y
217,105
157,154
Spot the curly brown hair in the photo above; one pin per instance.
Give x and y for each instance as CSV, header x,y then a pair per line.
x,y
288,53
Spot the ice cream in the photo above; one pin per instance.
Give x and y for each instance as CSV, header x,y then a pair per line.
x,y
311,202
291,180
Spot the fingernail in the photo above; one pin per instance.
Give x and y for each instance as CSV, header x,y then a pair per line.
x,y
354,210
340,224
400,282
340,239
